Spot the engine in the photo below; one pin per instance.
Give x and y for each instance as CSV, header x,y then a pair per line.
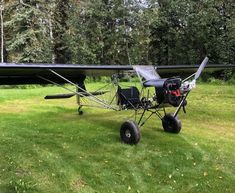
x,y
169,92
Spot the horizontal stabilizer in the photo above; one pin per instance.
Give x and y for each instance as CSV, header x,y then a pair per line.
x,y
86,94
69,95
59,96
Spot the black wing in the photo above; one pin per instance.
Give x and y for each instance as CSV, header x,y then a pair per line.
x,y
11,73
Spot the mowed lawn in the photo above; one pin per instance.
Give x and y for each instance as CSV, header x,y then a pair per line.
x,y
45,146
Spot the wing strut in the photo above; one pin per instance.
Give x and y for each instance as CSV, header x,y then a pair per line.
x,y
95,99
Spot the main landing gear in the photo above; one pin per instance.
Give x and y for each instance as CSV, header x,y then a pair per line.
x,y
130,131
171,124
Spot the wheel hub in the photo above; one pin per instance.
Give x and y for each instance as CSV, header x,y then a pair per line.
x,y
128,133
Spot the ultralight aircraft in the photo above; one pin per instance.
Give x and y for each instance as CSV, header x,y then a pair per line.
x,y
155,95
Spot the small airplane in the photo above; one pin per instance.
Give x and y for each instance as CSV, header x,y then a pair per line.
x,y
155,96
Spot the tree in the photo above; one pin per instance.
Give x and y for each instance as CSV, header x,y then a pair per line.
x,y
185,31
61,48
159,32
110,32
2,30
27,39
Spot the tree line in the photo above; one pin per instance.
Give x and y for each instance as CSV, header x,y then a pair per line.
x,y
162,32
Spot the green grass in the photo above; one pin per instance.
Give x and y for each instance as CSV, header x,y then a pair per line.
x,y
46,147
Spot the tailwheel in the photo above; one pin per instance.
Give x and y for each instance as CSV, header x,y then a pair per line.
x,y
171,124
80,112
130,133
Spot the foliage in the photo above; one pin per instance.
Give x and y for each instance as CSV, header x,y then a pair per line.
x,y
232,79
25,33
120,31
61,49
186,31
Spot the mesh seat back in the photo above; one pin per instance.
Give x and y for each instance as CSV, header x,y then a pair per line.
x,y
128,96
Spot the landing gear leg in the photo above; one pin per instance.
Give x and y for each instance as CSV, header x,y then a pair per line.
x,y
80,112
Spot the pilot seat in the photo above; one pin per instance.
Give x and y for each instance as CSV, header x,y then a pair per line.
x,y
128,97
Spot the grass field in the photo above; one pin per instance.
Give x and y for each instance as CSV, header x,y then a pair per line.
x,y
46,147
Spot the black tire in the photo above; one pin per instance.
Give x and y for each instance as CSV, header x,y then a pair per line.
x,y
171,124
80,112
130,133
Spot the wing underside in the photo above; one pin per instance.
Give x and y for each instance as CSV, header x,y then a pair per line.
x,y
11,73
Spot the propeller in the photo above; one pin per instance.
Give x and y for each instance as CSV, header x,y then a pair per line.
x,y
189,85
201,67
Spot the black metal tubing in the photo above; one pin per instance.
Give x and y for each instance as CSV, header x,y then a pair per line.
x,y
142,115
156,112
181,104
